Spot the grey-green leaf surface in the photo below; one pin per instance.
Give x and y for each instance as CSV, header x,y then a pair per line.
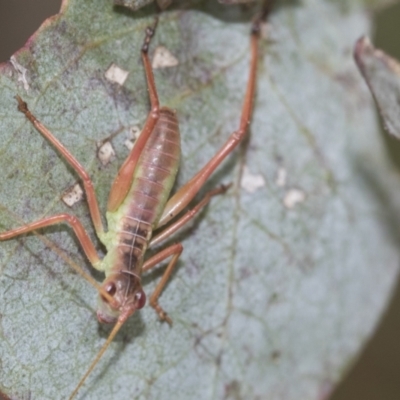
x,y
280,283
382,74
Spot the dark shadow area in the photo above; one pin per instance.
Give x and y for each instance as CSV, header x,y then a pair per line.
x,y
387,38
232,13
19,19
375,375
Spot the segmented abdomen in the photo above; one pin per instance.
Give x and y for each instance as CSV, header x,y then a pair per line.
x,y
153,180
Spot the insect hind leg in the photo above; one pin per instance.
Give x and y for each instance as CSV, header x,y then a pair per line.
x,y
124,178
188,191
175,250
72,161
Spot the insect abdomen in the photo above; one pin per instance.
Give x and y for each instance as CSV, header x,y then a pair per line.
x,y
156,170
153,180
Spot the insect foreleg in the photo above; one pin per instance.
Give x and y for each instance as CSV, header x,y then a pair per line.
x,y
124,178
87,182
176,250
82,236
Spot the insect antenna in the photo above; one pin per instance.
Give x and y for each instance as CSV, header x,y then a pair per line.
x,y
110,338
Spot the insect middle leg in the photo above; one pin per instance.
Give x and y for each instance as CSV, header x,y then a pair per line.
x,y
176,251
171,229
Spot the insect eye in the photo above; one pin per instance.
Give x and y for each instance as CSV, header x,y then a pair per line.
x,y
111,289
140,298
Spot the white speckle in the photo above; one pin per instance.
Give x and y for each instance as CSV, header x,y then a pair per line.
x,y
129,144
134,133
163,58
116,74
106,153
293,197
21,72
73,195
251,182
281,177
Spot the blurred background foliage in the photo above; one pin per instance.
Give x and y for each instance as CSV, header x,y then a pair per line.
x,y
375,375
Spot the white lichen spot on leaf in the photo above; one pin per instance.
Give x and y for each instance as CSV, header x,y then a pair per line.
x,y
281,177
73,195
293,197
251,182
22,72
116,74
134,133
163,58
106,153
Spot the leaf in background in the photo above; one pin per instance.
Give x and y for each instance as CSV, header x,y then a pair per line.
x,y
282,279
370,5
132,4
382,74
163,4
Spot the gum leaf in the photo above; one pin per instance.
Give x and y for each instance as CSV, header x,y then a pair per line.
x,y
382,74
282,279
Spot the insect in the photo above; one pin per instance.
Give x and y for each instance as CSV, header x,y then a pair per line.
x,y
139,204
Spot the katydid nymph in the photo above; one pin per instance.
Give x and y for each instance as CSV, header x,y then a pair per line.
x,y
139,204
